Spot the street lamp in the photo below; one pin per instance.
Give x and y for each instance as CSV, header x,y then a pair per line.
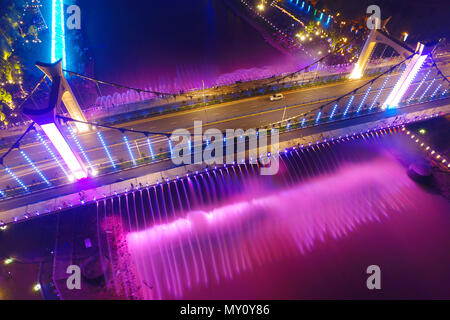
x,y
405,36
37,287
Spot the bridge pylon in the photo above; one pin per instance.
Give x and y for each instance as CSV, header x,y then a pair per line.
x,y
62,91
44,116
378,36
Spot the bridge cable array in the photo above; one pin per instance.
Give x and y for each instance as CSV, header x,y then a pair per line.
x,y
336,100
318,112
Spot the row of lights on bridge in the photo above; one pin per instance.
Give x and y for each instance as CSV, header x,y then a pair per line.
x,y
339,139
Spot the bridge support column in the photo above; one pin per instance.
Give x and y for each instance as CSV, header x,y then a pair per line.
x,y
54,72
45,118
366,52
378,36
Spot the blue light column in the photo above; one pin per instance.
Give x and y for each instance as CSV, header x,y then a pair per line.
x,y
57,33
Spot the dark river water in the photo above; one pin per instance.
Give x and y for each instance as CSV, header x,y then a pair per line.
x,y
175,44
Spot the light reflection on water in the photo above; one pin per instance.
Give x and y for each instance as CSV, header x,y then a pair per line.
x,y
207,248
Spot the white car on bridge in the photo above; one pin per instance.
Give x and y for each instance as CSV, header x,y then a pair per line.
x,y
277,96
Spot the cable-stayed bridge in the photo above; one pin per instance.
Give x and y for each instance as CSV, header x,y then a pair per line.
x,y
58,149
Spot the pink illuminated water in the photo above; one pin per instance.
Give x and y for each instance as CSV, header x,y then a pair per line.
x,y
312,240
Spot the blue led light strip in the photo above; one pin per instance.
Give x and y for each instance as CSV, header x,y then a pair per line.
x,y
150,148
419,86
333,111
436,90
348,105
364,99
379,92
77,142
16,178
318,116
44,142
303,121
170,147
106,149
129,149
31,163
426,90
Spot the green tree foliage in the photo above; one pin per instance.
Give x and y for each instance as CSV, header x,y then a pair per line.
x,y
10,64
